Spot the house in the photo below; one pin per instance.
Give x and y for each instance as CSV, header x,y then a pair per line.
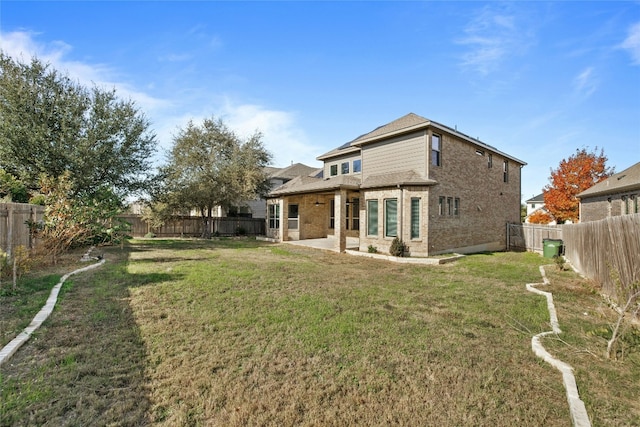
x,y
536,204
276,177
435,188
616,195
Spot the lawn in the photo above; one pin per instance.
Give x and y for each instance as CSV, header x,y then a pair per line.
x,y
239,332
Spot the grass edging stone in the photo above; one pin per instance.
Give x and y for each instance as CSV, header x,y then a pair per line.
x,y
406,260
9,350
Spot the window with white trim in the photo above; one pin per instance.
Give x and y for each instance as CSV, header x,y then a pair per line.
x,y
505,171
435,150
391,217
372,217
293,218
415,217
344,168
274,216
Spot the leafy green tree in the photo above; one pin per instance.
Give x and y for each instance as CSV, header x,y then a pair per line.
x,y
210,166
579,172
76,221
52,125
12,189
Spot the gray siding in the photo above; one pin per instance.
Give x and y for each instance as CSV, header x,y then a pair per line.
x,y
407,152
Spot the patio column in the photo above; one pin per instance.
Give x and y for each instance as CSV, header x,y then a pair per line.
x,y
284,226
340,220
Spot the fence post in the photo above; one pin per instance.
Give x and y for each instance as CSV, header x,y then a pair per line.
x,y
9,230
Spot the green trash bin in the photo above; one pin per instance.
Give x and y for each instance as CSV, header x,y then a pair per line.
x,y
551,248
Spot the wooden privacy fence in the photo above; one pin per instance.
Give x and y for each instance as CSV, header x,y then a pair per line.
x,y
192,226
600,249
529,237
14,231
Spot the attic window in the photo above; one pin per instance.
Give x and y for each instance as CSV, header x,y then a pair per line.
x,y
480,152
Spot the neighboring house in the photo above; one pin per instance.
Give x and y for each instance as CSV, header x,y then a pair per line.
x,y
277,176
257,208
437,189
536,204
616,195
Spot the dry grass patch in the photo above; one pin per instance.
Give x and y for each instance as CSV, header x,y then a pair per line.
x,y
242,332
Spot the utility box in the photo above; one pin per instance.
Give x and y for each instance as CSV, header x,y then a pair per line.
x,y
551,248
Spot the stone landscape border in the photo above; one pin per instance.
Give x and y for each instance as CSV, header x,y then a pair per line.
x,y
577,409
13,346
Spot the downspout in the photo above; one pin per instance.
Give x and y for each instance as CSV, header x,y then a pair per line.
x,y
401,214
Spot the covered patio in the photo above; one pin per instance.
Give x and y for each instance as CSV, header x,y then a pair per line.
x,y
316,213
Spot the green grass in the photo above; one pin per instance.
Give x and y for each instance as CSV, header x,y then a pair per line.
x,y
239,332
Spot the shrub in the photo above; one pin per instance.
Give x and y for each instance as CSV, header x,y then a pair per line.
x,y
398,248
150,235
372,249
559,260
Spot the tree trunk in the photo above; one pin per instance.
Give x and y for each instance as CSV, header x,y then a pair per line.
x,y
205,224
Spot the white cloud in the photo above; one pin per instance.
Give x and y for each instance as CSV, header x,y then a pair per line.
x,y
632,43
281,136
23,46
585,83
491,36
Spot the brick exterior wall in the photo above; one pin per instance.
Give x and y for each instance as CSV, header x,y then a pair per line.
x,y
601,207
487,203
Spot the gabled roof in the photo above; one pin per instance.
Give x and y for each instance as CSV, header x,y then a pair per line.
x,y
308,184
627,180
537,199
290,172
405,124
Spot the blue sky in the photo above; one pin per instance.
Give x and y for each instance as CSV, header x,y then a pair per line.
x,y
537,80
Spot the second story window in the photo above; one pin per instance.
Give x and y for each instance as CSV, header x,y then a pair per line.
x,y
357,166
505,171
435,150
334,170
344,168
490,161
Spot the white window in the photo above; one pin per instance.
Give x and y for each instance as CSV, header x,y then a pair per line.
x,y
391,217
344,168
435,150
293,218
505,171
274,216
415,217
372,217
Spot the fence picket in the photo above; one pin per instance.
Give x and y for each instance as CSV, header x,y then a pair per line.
x,y
192,226
14,231
603,249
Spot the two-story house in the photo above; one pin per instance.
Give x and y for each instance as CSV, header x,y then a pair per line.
x,y
435,188
536,204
